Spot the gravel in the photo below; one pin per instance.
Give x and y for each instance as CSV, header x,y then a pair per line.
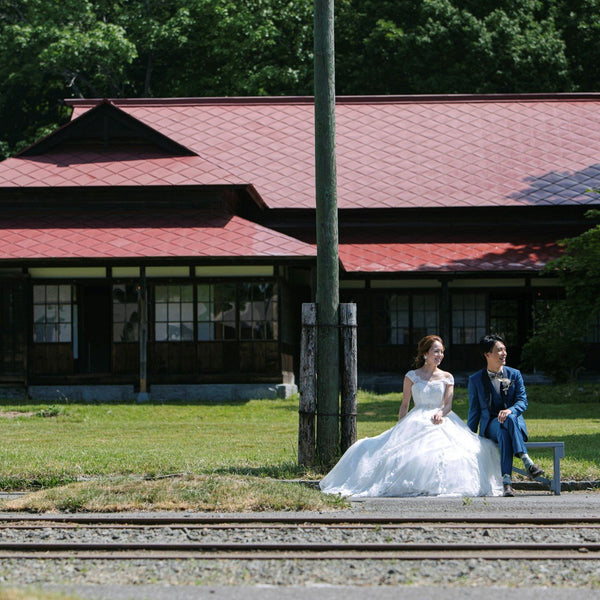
x,y
299,571
254,578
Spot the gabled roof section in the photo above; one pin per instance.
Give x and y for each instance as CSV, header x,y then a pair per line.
x,y
106,127
393,152
397,151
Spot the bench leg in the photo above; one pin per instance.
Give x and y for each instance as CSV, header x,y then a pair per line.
x,y
555,485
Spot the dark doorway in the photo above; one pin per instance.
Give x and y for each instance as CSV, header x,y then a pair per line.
x,y
13,345
95,304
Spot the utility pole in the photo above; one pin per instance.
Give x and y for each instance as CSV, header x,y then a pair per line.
x,y
327,235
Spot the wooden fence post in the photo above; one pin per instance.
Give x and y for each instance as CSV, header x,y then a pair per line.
x,y
308,385
348,324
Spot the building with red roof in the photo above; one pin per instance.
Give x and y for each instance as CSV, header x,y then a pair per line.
x,y
180,234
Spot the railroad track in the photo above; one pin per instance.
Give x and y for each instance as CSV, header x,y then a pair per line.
x,y
252,537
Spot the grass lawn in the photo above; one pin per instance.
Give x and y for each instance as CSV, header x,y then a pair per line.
x,y
226,456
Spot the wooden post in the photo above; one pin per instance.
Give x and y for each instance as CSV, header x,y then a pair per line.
x,y
143,335
348,324
308,385
328,436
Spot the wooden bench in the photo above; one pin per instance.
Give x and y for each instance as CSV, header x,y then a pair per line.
x,y
559,452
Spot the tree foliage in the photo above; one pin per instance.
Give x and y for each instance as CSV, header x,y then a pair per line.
x,y
558,344
55,49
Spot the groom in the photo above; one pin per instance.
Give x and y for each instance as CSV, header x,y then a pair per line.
x,y
497,401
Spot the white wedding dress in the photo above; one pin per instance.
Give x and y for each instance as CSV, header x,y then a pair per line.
x,y
418,458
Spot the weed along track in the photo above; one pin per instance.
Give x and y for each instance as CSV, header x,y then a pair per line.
x,y
251,538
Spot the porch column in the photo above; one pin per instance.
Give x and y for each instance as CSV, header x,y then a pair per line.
x,y
143,395
445,314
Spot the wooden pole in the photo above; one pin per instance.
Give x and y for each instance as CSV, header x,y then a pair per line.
x,y
308,381
327,236
349,374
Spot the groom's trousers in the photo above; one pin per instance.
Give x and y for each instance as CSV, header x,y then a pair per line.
x,y
510,440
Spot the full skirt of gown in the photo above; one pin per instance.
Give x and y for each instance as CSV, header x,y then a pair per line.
x,y
418,458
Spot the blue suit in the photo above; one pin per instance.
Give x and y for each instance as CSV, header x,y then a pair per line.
x,y
485,403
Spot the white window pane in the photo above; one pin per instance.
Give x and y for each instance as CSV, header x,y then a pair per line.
x,y
64,313
64,294
187,312
38,333
64,332
51,293
203,311
51,313
161,332
187,332
203,292
161,293
205,332
50,334
118,312
161,312
39,294
39,313
174,332
174,313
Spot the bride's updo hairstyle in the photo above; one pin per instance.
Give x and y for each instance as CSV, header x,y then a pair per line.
x,y
423,348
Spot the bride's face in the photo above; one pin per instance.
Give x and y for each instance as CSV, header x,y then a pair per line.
x,y
435,354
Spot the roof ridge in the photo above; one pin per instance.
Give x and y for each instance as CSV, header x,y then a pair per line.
x,y
350,99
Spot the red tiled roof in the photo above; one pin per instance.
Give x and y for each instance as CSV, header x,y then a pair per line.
x,y
447,256
124,234
395,151
391,151
92,168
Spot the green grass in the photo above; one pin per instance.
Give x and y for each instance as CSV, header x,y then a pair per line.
x,y
42,447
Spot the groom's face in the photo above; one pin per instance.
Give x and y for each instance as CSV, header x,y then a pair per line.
x,y
496,357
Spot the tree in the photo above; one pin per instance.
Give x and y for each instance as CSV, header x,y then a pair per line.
x,y
52,49
450,46
55,49
558,343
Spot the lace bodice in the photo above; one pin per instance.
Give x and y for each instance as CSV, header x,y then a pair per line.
x,y
427,393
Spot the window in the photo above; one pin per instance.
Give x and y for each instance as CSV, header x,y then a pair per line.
x,y
425,312
125,313
399,318
52,313
174,313
468,318
504,319
258,311
216,311
404,319
223,311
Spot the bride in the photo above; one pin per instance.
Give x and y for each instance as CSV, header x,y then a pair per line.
x,y
429,452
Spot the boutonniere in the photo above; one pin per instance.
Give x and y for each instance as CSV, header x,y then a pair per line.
x,y
505,383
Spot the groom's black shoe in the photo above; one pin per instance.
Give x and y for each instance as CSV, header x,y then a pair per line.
x,y
534,471
508,490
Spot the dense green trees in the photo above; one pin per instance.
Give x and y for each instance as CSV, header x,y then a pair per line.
x,y
53,49
558,344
